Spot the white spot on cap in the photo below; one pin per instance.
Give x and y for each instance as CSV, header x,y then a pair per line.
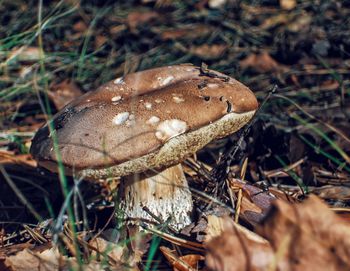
x,y
158,101
167,80
121,118
170,128
212,85
116,98
178,99
148,106
119,80
153,120
130,121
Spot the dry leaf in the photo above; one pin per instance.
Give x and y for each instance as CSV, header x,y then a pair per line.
x,y
192,260
300,23
117,255
28,260
308,236
214,227
63,93
139,242
9,157
25,70
26,54
262,199
137,18
332,192
261,63
237,248
216,3
52,260
114,251
283,195
288,4
100,40
209,51
184,263
80,26
192,31
280,18
294,22
255,202
116,30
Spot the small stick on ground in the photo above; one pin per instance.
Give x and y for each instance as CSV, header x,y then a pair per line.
x,y
221,171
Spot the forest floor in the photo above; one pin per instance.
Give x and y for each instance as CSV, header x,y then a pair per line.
x,y
285,202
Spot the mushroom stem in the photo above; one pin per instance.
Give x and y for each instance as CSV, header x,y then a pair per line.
x,y
165,195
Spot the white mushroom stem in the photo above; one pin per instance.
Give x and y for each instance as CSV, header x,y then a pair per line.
x,y
166,195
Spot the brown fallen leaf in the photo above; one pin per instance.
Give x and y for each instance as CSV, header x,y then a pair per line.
x,y
80,26
284,195
329,85
103,247
294,22
192,260
100,40
117,29
344,215
139,242
159,3
214,227
255,202
118,256
10,157
300,23
208,52
307,236
184,263
25,70
63,93
288,4
332,192
28,260
216,4
261,63
13,249
137,18
192,31
26,54
276,20
260,197
236,248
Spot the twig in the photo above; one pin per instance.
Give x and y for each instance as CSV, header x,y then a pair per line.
x,y
220,172
175,240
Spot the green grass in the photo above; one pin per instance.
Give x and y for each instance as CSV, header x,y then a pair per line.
x,y
294,176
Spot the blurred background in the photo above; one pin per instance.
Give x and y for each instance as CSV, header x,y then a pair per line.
x,y
300,142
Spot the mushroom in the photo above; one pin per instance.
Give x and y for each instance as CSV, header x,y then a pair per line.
x,y
140,128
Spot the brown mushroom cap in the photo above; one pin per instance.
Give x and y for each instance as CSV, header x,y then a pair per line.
x,y
149,119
